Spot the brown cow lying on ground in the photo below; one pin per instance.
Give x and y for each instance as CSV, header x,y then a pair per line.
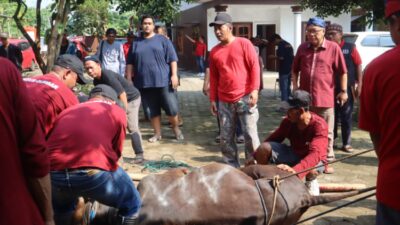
x,y
220,194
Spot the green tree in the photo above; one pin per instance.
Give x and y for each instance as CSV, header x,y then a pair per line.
x,y
60,11
374,9
165,10
90,18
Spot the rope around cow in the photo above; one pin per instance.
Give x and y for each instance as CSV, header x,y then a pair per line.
x,y
276,180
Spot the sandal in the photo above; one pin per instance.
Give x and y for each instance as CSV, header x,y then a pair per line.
x,y
347,149
180,137
154,139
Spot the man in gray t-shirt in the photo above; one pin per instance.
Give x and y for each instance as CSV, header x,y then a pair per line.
x,y
111,53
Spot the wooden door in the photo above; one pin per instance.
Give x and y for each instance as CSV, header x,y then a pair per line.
x,y
243,30
264,31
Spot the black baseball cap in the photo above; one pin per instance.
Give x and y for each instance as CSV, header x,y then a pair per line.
x,y
93,58
221,18
105,91
299,99
73,63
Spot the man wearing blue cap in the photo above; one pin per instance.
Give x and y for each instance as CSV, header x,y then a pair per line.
x,y
315,65
379,108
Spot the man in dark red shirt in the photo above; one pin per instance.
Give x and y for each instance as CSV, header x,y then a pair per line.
x,y
308,136
379,115
234,83
334,32
51,93
25,193
317,62
85,146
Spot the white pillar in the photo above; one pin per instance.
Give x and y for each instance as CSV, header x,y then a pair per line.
x,y
297,27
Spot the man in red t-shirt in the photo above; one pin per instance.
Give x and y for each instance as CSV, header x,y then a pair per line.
x,y
25,192
316,63
234,83
51,93
84,148
308,136
379,108
200,53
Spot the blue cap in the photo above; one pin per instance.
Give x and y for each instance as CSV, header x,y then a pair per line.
x,y
316,21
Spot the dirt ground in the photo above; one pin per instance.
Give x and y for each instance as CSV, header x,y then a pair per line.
x,y
199,148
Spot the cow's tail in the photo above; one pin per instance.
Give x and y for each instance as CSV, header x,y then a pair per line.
x,y
327,198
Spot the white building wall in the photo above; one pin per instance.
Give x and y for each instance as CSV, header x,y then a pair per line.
x,y
281,16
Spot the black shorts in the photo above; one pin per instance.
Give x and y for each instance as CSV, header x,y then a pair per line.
x,y
153,99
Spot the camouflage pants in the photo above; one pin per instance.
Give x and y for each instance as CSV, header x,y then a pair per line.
x,y
228,114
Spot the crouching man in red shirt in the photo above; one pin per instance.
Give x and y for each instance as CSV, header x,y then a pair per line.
x,y
84,147
308,137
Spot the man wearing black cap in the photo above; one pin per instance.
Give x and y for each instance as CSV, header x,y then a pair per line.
x,y
111,53
379,115
234,83
84,148
315,65
308,136
127,94
51,93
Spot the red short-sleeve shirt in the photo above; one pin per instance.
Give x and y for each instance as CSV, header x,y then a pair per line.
x,y
379,108
200,48
317,70
50,97
90,134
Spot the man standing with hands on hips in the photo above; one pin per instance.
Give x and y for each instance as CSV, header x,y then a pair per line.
x,y
234,83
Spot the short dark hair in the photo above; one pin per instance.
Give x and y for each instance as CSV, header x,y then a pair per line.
x,y
146,17
111,31
273,37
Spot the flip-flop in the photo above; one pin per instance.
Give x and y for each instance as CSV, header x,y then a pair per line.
x,y
155,138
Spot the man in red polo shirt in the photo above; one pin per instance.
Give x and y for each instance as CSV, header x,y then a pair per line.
x,y
317,62
25,192
234,83
379,108
51,93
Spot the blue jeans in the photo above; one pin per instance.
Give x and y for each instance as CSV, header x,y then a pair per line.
x,y
111,188
284,86
386,215
200,64
283,154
